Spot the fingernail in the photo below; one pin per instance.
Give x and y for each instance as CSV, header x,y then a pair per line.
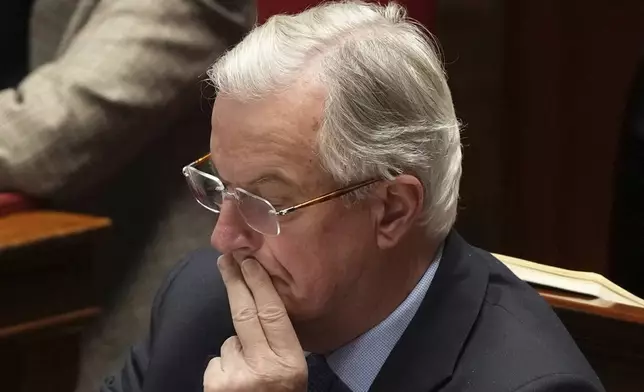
x,y
220,261
249,265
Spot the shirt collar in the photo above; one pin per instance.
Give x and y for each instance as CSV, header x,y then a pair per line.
x,y
357,363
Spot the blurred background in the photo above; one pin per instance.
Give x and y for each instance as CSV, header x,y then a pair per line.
x,y
550,93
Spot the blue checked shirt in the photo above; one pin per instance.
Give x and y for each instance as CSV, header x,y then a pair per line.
x,y
358,363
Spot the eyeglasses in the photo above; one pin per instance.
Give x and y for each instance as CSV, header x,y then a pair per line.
x,y
258,213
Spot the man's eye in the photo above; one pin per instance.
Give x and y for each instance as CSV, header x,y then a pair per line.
x,y
276,202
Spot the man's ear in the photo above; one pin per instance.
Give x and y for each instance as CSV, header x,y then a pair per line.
x,y
401,203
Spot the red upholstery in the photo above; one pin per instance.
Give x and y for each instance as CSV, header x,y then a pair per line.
x,y
13,202
421,10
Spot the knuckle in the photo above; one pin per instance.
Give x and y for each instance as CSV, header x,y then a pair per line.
x,y
230,345
297,369
231,341
272,313
213,365
245,314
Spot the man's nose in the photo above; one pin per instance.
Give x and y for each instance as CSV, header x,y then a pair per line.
x,y
231,233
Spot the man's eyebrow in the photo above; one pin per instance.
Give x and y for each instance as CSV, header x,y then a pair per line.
x,y
270,177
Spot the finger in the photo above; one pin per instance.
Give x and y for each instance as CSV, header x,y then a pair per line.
x,y
231,352
272,314
213,375
242,307
214,365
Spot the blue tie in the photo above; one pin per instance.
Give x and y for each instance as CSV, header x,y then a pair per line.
x,y
321,377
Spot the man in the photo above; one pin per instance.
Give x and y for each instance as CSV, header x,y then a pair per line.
x,y
334,168
111,107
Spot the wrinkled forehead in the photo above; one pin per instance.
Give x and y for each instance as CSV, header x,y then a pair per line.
x,y
275,133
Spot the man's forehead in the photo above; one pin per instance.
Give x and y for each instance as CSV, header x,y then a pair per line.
x,y
250,137
300,107
290,119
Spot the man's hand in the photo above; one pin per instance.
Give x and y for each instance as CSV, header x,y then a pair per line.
x,y
266,355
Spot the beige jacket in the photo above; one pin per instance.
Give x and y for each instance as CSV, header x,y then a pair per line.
x,y
110,78
103,124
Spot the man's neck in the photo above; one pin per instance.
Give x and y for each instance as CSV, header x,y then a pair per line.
x,y
378,292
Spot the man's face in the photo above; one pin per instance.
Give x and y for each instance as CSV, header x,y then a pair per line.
x,y
267,147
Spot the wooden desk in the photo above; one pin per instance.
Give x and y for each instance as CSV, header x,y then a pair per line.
x,y
610,335
46,297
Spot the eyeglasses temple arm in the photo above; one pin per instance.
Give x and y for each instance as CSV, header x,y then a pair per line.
x,y
200,160
323,198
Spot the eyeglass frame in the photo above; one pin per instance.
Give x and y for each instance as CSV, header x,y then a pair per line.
x,y
284,211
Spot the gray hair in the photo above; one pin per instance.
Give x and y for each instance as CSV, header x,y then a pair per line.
x,y
388,110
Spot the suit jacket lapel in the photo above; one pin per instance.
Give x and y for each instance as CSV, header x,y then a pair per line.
x,y
426,355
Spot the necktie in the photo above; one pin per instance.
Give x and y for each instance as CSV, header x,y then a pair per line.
x,y
321,377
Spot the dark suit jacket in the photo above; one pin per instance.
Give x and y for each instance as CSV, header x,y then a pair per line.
x,y
479,328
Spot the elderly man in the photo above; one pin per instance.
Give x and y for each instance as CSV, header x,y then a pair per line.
x,y
334,168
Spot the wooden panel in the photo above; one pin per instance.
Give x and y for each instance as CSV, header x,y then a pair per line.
x,y
569,67
541,88
471,33
41,363
47,296
609,335
422,10
26,228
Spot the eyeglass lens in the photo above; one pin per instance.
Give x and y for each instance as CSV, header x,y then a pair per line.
x,y
258,213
